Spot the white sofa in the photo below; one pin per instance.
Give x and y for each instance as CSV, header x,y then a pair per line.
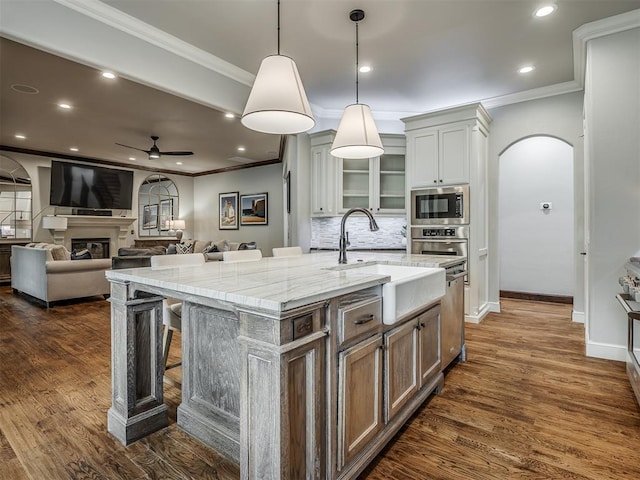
x,y
46,272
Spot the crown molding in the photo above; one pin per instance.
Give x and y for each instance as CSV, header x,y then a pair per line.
x,y
533,94
139,29
599,28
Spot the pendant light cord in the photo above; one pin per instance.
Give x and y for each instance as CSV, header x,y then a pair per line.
x,y
357,69
278,27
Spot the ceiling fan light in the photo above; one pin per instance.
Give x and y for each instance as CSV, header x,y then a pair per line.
x,y
357,135
278,103
154,155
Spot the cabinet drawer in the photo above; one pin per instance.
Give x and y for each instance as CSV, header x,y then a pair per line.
x,y
359,318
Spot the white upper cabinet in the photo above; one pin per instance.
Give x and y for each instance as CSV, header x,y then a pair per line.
x,y
376,184
323,176
440,145
440,156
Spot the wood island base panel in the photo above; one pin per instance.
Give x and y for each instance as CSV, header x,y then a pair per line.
x,y
288,369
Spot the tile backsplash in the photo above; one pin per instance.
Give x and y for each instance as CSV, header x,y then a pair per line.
x,y
325,232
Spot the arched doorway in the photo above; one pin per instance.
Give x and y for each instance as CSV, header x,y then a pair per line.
x,y
536,226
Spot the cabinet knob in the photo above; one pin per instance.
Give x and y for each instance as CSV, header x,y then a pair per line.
x,y
440,180
320,208
435,181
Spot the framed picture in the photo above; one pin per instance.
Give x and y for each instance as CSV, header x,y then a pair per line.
x,y
254,209
150,216
228,208
166,213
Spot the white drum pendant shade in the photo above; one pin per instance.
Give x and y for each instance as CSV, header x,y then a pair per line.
x,y
277,102
357,135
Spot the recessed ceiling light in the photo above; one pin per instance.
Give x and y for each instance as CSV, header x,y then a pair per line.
x,y
241,149
28,89
178,163
19,136
109,75
66,106
545,10
73,149
365,69
526,69
230,115
132,158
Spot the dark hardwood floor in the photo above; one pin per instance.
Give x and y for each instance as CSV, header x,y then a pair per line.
x,y
527,404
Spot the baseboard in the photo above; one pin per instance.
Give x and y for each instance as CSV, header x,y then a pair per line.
x,y
494,307
537,297
606,351
577,317
477,318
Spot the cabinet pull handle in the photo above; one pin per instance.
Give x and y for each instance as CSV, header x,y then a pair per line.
x,y
366,319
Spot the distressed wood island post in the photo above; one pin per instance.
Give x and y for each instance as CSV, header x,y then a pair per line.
x,y
137,407
253,381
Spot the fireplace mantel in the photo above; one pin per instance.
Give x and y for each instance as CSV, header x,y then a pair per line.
x,y
89,226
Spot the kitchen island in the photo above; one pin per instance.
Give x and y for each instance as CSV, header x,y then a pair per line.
x,y
270,364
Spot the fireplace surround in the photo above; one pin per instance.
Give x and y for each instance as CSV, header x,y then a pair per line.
x,y
115,229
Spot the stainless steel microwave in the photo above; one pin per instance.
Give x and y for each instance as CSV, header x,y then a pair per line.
x,y
440,206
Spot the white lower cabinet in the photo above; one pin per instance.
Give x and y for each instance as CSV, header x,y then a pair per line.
x,y
412,359
359,397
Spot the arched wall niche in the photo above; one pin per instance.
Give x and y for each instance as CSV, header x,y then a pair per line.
x,y
158,205
15,200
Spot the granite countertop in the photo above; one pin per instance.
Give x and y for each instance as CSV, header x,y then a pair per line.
x,y
276,283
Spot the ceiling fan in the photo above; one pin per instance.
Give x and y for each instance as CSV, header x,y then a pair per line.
x,y
154,152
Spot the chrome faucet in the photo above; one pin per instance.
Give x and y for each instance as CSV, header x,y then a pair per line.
x,y
344,236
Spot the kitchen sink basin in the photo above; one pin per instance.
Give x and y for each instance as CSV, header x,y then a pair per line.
x,y
410,288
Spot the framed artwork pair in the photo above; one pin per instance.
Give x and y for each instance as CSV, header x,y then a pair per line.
x,y
236,210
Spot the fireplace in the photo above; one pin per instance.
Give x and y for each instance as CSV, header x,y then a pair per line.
x,y
87,228
98,247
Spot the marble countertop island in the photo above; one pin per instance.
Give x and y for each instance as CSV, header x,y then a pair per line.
x,y
260,356
277,284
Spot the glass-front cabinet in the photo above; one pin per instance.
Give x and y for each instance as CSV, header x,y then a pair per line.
x,y
377,184
338,184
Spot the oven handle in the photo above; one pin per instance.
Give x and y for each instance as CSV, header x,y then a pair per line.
x,y
440,240
455,276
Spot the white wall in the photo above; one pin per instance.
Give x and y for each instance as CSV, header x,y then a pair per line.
x,y
247,181
561,117
536,246
297,157
612,117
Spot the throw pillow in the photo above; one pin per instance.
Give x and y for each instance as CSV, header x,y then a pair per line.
x,y
247,246
59,252
182,248
172,249
223,246
210,248
199,246
81,255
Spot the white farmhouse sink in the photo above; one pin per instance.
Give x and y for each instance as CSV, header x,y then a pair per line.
x,y
410,288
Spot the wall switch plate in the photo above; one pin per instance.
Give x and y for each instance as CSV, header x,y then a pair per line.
x,y
546,205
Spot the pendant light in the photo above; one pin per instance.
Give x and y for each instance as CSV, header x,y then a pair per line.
x,y
277,102
357,135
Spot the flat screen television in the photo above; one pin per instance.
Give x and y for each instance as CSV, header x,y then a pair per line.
x,y
86,186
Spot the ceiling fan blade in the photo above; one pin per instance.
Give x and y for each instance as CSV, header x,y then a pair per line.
x,y
176,153
135,148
